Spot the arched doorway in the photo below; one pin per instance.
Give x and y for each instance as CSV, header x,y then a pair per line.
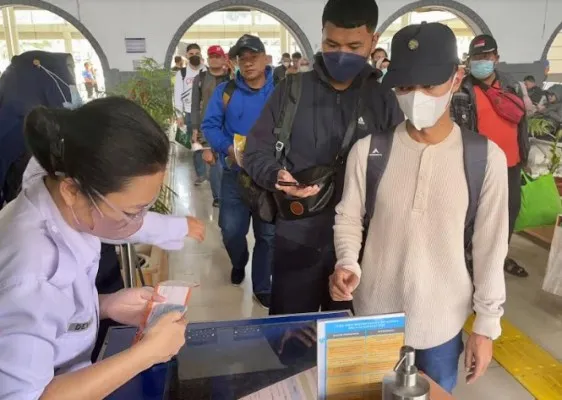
x,y
37,25
219,20
462,20
552,56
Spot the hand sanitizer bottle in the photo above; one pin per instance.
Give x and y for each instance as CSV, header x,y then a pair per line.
x,y
405,383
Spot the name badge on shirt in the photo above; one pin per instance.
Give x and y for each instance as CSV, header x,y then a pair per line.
x,y
79,326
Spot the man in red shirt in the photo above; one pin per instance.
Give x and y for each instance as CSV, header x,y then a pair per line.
x,y
472,108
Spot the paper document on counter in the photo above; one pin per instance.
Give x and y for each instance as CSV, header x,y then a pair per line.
x,y
302,386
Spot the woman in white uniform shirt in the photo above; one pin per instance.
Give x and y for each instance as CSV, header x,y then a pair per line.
x,y
105,164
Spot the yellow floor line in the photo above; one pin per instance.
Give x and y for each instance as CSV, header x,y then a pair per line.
x,y
538,371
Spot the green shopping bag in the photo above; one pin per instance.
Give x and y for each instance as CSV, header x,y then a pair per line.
x,y
183,138
540,202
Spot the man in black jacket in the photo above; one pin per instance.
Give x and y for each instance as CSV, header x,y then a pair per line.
x,y
304,248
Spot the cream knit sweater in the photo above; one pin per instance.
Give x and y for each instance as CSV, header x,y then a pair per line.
x,y
413,260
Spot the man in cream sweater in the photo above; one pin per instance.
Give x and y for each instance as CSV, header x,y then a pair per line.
x,y
413,257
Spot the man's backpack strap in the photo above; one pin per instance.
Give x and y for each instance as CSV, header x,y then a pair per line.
x,y
227,93
475,154
202,75
379,154
284,126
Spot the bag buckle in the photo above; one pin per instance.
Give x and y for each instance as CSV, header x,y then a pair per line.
x,y
279,146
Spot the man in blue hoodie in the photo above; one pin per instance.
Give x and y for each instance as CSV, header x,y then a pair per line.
x,y
254,84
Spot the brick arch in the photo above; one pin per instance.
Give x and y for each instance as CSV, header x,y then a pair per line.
x,y
69,18
258,5
470,17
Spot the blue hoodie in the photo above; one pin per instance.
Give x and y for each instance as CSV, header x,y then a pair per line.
x,y
245,106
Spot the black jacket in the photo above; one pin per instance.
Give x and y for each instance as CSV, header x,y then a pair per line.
x,y
321,120
464,110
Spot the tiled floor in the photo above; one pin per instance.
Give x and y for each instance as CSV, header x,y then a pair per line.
x,y
534,312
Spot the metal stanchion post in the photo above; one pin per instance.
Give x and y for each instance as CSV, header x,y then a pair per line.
x,y
128,263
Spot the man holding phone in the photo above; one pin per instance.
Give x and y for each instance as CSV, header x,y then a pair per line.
x,y
304,245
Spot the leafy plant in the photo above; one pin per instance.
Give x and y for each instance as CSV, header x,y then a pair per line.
x,y
545,128
165,198
151,88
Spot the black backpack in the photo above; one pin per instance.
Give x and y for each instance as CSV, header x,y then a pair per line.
x,y
258,199
475,153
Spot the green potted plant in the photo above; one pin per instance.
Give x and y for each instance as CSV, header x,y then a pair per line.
x,y
151,88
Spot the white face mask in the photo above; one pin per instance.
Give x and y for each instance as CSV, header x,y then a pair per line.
x,y
423,110
304,68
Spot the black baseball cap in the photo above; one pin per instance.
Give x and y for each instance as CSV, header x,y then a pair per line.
x,y
422,54
247,42
482,44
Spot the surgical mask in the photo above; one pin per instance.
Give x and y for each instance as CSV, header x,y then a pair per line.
x,y
195,61
304,68
481,69
286,64
75,98
109,228
343,66
422,110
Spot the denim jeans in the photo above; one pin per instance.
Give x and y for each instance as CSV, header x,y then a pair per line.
x,y
215,177
234,221
200,166
441,363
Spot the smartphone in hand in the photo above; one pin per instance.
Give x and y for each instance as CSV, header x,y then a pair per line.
x,y
291,184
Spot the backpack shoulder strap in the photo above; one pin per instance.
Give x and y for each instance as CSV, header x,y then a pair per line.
x,y
289,105
379,154
229,89
202,75
183,72
475,154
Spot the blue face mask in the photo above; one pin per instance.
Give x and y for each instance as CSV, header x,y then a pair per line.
x,y
343,66
481,69
75,99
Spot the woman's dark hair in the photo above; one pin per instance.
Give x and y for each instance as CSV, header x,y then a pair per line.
x,y
102,145
349,15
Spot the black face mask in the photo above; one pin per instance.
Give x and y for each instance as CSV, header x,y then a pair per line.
x,y
195,61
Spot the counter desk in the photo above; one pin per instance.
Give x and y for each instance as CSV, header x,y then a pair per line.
x,y
223,360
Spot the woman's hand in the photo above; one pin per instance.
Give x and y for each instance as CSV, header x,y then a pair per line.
x,y
195,229
163,340
127,306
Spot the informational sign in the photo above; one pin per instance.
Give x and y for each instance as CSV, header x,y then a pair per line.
x,y
354,354
135,45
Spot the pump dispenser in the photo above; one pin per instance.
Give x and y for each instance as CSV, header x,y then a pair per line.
x,y
405,382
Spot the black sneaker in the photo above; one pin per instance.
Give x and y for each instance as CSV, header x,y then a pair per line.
x,y
263,299
216,203
237,276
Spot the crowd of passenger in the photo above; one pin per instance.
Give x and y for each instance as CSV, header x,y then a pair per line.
x,y
372,183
